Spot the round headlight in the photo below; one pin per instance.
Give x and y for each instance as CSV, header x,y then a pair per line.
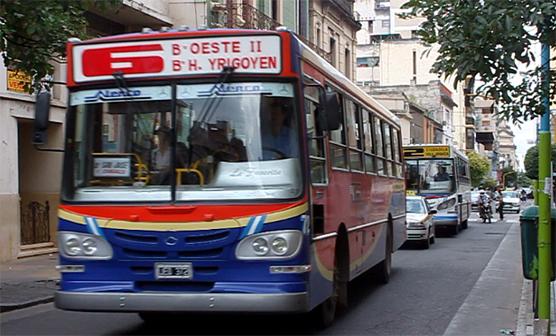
x,y
89,246
72,246
260,246
279,246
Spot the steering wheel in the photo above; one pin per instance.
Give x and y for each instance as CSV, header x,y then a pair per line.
x,y
279,154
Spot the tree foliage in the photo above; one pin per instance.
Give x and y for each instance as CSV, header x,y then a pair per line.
x,y
487,40
531,161
33,32
479,167
510,176
523,180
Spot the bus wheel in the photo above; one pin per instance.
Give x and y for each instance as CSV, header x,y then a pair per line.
x,y
325,313
455,230
384,268
464,224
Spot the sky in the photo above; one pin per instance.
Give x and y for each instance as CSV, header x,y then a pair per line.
x,y
525,136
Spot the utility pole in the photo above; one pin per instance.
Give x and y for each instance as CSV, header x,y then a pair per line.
x,y
544,195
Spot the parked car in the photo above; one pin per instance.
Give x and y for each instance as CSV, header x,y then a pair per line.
x,y
511,200
420,227
474,201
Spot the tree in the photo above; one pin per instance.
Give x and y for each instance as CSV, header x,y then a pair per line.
x,y
510,177
523,180
33,32
487,40
531,161
479,167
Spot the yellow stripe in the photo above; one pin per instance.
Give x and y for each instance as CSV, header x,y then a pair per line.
x,y
187,226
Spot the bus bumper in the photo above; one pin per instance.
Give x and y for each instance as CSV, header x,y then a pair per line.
x,y
445,221
182,302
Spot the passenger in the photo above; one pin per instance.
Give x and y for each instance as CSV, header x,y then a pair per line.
x,y
161,156
277,137
442,175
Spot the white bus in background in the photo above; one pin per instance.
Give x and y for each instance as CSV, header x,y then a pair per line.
x,y
440,173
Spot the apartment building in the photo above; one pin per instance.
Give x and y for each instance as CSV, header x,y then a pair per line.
x,y
389,54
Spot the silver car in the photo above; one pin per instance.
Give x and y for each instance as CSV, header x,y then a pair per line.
x,y
419,221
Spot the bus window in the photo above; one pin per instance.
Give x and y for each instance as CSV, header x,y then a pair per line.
x,y
387,148
338,147
368,139
378,146
396,151
314,134
354,136
434,175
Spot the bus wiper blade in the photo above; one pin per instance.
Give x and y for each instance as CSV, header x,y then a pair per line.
x,y
121,82
208,105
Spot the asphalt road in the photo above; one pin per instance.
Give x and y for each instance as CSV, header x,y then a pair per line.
x,y
425,292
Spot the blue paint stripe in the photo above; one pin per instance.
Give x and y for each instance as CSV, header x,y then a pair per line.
x,y
247,227
260,224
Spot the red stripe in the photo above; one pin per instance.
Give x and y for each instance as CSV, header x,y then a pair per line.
x,y
176,213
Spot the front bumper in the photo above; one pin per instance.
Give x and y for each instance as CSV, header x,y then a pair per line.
x,y
445,221
182,302
511,207
417,234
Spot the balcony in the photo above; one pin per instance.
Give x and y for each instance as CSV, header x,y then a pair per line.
x,y
244,16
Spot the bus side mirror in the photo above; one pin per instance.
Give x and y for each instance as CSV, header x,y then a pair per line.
x,y
42,115
460,198
331,104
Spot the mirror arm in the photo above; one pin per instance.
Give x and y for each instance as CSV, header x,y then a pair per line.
x,y
56,150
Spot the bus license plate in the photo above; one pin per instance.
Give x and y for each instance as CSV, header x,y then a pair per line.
x,y
173,271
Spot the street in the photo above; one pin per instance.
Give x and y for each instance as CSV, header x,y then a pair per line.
x,y
426,290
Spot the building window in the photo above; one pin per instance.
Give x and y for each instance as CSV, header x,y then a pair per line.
x,y
347,60
333,49
385,23
318,38
370,26
367,62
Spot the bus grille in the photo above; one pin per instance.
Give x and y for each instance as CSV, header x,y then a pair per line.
x,y
210,244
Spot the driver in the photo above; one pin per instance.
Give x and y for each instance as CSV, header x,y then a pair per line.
x,y
277,137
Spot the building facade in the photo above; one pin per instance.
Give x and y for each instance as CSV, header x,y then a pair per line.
x,y
389,53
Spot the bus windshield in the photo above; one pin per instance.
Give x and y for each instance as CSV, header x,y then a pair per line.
x,y
430,176
220,142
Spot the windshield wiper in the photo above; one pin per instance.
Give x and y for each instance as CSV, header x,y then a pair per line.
x,y
121,82
208,107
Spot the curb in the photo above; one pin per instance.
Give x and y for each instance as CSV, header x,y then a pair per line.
x,y
15,306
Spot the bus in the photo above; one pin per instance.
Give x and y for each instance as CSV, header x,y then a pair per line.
x,y
440,173
221,171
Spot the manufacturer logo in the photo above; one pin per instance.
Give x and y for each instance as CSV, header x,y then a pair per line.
x,y
108,95
232,90
136,59
171,241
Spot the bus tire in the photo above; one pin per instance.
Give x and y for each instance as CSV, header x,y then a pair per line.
x,y
455,230
325,313
464,224
384,268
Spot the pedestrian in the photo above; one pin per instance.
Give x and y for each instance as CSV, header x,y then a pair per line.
x,y
500,199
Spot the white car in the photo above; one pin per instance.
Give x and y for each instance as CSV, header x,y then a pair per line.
x,y
419,221
512,202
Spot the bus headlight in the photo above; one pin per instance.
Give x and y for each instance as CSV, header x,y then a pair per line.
x,y
77,245
270,245
448,204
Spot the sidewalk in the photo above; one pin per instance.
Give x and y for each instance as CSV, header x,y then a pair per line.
x,y
27,282
500,302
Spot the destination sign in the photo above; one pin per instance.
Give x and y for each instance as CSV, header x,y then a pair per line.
x,y
191,56
426,152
